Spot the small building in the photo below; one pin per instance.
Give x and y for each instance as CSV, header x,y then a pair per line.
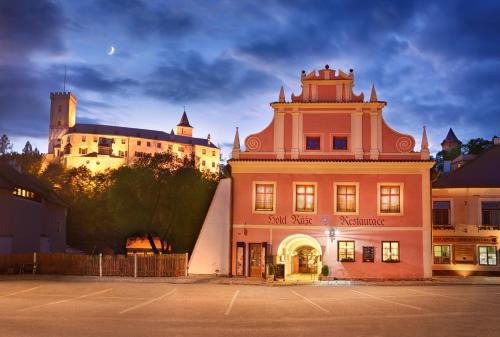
x,y
32,217
466,217
100,147
141,245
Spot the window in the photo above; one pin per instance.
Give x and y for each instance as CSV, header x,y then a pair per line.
x,y
170,147
339,143
158,145
390,251
213,153
390,199
20,192
313,143
441,254
139,142
213,164
487,255
346,198
123,140
441,213
345,251
148,144
202,163
305,198
84,138
490,211
59,123
203,151
369,254
95,139
181,149
82,150
121,153
264,197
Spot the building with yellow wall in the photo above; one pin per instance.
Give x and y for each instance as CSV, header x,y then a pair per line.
x,y
101,147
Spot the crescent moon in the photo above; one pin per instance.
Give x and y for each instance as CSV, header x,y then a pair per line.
x,y
111,50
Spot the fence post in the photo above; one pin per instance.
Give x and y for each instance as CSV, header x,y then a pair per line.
x,y
135,264
100,264
186,265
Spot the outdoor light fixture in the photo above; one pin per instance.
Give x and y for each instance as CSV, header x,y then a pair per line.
x,y
332,233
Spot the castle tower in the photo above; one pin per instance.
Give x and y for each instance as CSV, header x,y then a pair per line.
x,y
184,128
450,142
62,116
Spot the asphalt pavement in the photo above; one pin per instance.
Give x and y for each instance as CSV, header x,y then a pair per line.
x,y
68,308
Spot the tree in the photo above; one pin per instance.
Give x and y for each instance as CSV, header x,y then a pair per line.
x,y
476,146
5,145
28,149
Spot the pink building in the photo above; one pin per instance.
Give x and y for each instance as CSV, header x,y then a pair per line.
x,y
328,182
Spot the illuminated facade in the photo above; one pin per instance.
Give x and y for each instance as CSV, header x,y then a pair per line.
x,y
100,147
466,217
328,182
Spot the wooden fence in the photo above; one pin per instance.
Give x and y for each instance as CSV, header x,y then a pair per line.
x,y
168,265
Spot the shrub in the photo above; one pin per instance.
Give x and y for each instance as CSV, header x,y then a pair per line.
x,y
325,271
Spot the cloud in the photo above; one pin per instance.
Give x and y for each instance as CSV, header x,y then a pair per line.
x,y
97,78
193,79
29,26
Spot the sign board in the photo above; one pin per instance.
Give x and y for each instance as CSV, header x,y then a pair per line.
x,y
368,254
279,272
464,254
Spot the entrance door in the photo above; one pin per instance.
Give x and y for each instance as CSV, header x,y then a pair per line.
x,y
257,259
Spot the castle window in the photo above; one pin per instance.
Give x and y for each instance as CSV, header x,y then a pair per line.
x,y
202,163
213,153
121,153
123,140
82,150
203,151
213,164
84,138
95,139
313,143
139,142
148,144
339,143
181,149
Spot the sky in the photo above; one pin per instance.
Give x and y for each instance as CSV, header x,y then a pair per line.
x,y
436,63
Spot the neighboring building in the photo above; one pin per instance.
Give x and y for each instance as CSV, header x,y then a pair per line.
x,y
100,147
327,182
32,217
450,142
466,217
141,245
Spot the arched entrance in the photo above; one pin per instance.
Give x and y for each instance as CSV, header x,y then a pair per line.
x,y
301,254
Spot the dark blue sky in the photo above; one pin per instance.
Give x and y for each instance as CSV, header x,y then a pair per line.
x,y
435,63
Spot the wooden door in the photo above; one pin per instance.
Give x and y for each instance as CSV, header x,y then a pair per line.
x,y
256,259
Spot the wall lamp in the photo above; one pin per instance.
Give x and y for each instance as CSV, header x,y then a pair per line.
x,y
332,233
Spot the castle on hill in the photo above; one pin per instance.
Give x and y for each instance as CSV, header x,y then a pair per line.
x,y
101,147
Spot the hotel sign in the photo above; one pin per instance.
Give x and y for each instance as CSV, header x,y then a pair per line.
x,y
343,221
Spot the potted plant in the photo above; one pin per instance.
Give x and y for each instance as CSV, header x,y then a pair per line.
x,y
325,271
347,259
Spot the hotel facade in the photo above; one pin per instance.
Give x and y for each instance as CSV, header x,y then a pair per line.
x,y
326,183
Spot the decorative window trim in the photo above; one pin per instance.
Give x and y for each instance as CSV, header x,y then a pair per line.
x,y
315,184
452,213
254,192
449,250
313,135
401,198
479,256
340,134
346,260
399,252
341,183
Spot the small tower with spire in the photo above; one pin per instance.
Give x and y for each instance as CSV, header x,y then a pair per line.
x,y
282,95
373,95
184,128
450,142
235,154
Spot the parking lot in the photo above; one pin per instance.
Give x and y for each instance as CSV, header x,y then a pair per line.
x,y
63,308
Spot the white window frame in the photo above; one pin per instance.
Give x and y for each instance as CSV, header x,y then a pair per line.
x,y
315,184
341,183
401,198
479,255
254,191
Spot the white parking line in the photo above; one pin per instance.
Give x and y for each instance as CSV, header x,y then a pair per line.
x,y
309,301
20,292
148,302
228,310
388,301
454,298
67,300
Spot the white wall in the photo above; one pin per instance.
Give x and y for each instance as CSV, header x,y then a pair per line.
x,y
211,251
